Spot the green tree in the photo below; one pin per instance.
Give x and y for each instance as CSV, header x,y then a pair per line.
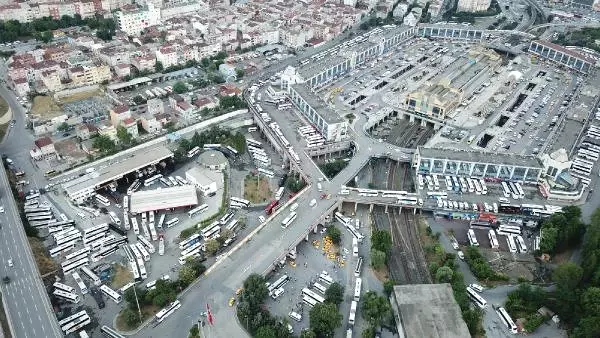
x,y
63,127
587,327
335,293
334,234
381,240
104,144
212,246
324,319
179,87
294,183
444,274
266,331
205,62
187,275
567,276
194,332
239,73
158,67
376,309
123,135
378,259
591,300
369,332
306,333
131,317
388,287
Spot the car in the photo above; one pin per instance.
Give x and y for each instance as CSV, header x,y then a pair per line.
x,y
6,279
455,245
238,291
461,255
231,301
261,218
10,263
66,135
2,208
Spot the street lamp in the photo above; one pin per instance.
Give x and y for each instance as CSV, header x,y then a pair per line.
x,y
137,302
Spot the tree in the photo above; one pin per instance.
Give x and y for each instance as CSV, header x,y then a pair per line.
x,y
131,317
369,332
63,127
334,234
239,73
123,135
104,144
567,276
444,274
388,287
158,67
376,309
266,331
179,87
335,293
187,275
212,246
381,240
307,334
324,319
591,300
377,259
205,62
194,332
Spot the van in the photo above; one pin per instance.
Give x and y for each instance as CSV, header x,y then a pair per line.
x,y
295,316
345,192
312,203
476,287
294,207
277,293
319,187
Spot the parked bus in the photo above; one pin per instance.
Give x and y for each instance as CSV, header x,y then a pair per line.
x,y
320,288
288,220
193,152
508,322
68,296
241,201
326,279
102,200
133,187
309,301
483,186
476,298
164,313
110,293
32,196
253,143
109,332
493,239
279,193
74,322
472,237
148,182
352,316
252,129
193,239
63,287
82,287
198,210
279,283
91,275
114,218
172,222
313,295
357,289
211,232
521,244
512,247
520,190
358,268
266,173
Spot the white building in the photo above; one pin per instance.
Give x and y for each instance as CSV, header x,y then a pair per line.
x,y
133,20
203,180
473,5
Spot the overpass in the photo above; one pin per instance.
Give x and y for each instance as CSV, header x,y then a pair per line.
x,y
462,32
565,24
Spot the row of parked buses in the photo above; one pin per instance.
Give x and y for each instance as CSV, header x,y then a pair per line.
x,y
403,197
453,183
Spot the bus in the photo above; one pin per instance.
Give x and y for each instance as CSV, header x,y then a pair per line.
x,y
91,275
437,194
134,186
470,185
521,244
164,313
309,301
493,239
212,146
279,283
253,143
358,268
63,287
74,322
40,218
512,247
72,266
114,218
68,296
193,152
82,287
352,316
520,190
272,207
198,210
455,183
32,196
477,185
142,250
161,221
357,290
325,278
149,246
165,182
252,129
110,293
294,156
193,239
508,322
483,186
226,218
279,193
172,222
288,220
313,295
134,225
513,190
476,298
107,331
472,237
148,182
242,201
173,181
508,230
102,200
213,232
320,288
265,172
126,203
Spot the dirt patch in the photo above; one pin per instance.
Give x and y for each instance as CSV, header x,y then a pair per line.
x,y
45,107
563,257
3,106
70,148
257,190
79,96
44,262
382,274
147,312
121,276
4,321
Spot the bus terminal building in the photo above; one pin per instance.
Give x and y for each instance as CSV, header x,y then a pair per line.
x,y
510,167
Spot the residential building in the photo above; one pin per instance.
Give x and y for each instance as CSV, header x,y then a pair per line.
x,y
44,149
51,81
168,56
133,20
131,126
145,62
119,114
473,5
228,72
85,131
110,131
20,86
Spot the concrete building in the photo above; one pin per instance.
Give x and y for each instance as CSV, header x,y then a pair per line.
x,y
427,310
133,20
228,72
213,160
556,163
163,199
44,149
119,114
458,81
477,164
203,179
561,55
473,5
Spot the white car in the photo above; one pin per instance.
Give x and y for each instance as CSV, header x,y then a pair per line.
x,y
10,262
454,245
261,218
1,208
312,203
461,255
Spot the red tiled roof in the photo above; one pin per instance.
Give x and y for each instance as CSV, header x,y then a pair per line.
x,y
121,109
42,142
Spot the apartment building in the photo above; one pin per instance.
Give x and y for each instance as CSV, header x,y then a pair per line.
x,y
132,20
473,5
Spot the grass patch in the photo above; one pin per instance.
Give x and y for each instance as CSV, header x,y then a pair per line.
x,y
44,106
121,276
3,129
256,189
4,321
3,106
147,312
45,264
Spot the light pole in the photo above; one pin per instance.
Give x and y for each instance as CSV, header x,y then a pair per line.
x,y
137,302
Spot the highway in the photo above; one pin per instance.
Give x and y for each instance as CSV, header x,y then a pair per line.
x,y
28,305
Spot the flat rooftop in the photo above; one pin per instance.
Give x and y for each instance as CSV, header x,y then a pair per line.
x,y
479,157
428,310
313,100
117,168
163,198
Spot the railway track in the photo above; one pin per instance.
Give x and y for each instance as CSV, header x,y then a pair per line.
x,y
398,262
416,248
391,175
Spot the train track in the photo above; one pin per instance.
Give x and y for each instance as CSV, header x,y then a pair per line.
x,y
416,248
391,175
398,262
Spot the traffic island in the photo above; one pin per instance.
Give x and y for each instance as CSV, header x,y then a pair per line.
x,y
5,117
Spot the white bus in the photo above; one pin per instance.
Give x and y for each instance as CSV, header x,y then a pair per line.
x,y
149,246
266,173
134,186
165,182
508,322
143,251
313,295
74,322
483,186
112,294
357,288
102,200
521,244
242,201
472,237
82,287
32,196
358,268
508,230
63,287
252,129
161,221
198,210
91,275
288,220
74,265
253,143
476,298
226,218
68,296
512,247
190,241
520,190
55,252
470,185
513,190
309,301
193,152
126,223
173,181
172,222
134,224
148,182
279,283
352,316
164,313
493,239
325,278
110,332
320,288
114,218
279,193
